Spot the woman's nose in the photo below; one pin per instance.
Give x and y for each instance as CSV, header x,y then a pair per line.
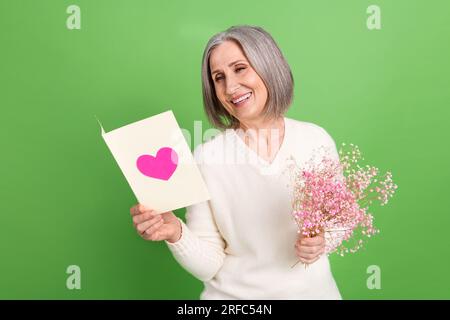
x,y
231,86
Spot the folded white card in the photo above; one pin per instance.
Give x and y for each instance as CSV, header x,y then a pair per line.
x,y
157,163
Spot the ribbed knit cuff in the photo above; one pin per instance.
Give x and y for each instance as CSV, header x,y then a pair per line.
x,y
184,244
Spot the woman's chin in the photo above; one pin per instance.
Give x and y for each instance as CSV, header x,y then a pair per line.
x,y
243,112
246,114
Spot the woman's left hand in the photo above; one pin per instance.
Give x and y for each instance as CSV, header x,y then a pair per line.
x,y
309,250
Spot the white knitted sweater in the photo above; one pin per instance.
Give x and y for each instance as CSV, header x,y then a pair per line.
x,y
240,243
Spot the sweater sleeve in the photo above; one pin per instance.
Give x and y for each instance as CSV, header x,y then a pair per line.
x,y
200,249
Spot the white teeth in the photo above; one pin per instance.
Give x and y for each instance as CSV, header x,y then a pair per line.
x,y
242,98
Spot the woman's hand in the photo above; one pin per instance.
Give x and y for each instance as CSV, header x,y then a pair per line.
x,y
155,227
309,250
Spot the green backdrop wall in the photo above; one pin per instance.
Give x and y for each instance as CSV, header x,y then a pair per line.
x,y
65,202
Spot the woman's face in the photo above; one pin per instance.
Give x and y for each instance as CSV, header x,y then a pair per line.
x,y
238,87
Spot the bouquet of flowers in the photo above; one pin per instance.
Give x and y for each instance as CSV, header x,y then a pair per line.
x,y
333,196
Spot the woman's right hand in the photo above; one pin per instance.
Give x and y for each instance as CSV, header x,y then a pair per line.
x,y
155,227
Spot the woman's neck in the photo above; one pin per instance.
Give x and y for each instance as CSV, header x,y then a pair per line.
x,y
263,128
261,124
265,137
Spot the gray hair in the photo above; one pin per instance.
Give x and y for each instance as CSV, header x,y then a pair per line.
x,y
266,58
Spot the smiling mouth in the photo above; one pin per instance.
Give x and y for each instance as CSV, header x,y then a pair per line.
x,y
241,99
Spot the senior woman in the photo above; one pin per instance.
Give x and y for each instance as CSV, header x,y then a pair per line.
x,y
243,241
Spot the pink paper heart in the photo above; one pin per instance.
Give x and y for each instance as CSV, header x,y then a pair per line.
x,y
160,167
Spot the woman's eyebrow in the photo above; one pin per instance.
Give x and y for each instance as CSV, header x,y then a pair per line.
x,y
232,63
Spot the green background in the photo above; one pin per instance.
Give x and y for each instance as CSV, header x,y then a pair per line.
x,y
64,200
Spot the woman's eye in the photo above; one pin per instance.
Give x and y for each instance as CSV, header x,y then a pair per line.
x,y
218,78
